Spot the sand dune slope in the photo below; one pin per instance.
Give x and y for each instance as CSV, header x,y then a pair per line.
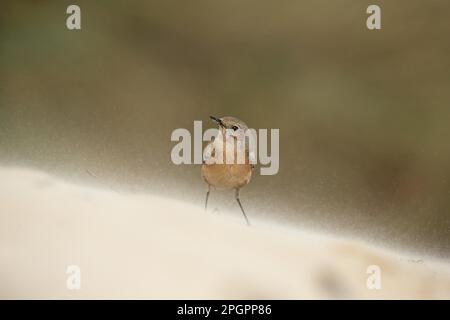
x,y
141,246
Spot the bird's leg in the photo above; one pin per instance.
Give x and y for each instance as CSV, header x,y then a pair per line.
x,y
207,196
240,205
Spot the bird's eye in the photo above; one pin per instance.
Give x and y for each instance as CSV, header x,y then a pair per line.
x,y
234,128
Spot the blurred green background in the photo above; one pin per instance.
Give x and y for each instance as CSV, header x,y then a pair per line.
x,y
364,116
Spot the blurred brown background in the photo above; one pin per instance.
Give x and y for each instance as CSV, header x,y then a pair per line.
x,y
363,115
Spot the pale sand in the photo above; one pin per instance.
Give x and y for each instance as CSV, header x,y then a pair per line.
x,y
141,246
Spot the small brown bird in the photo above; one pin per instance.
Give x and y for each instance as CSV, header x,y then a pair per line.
x,y
225,174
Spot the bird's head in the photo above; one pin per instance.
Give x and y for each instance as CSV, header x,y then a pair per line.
x,y
231,126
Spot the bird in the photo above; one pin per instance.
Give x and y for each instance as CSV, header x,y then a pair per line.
x,y
222,174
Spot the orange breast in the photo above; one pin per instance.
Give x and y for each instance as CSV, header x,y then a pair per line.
x,y
227,176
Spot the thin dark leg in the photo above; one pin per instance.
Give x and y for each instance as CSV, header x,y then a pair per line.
x,y
240,205
207,197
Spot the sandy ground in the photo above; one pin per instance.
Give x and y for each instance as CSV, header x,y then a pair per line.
x,y
140,246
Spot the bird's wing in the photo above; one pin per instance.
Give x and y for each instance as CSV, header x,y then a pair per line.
x,y
208,154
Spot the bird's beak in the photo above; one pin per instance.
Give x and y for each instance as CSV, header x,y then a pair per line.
x,y
217,120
